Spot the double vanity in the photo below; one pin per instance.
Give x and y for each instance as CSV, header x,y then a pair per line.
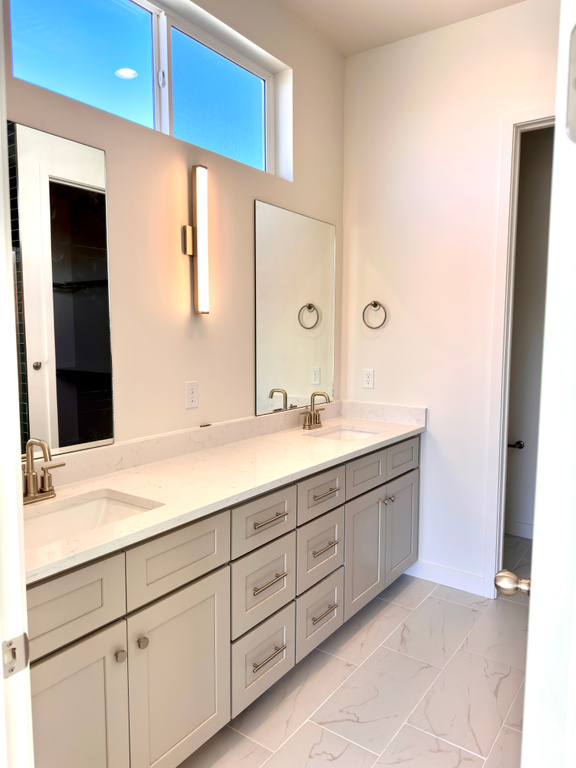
x,y
164,599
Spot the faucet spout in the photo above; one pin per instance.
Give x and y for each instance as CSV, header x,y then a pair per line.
x,y
284,397
312,417
34,491
30,445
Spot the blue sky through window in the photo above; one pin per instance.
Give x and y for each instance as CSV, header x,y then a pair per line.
x,y
216,103
74,47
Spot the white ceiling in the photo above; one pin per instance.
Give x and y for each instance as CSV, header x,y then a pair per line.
x,y
353,26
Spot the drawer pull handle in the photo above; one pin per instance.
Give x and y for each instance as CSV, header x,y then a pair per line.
x,y
279,516
330,609
329,492
143,643
389,498
326,548
120,656
279,577
256,667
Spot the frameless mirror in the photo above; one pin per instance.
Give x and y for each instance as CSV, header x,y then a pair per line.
x,y
294,307
58,199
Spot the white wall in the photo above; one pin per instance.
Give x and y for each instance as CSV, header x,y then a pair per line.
x,y
422,168
157,341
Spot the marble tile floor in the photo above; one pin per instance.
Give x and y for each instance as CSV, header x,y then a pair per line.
x,y
424,676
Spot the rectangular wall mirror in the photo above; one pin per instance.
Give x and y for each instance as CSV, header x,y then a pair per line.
x,y
295,257
59,243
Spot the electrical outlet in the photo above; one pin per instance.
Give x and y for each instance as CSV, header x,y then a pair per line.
x,y
368,378
191,394
315,374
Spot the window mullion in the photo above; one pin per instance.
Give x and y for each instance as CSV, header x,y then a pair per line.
x,y
162,73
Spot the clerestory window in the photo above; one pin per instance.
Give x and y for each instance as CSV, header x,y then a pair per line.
x,y
145,63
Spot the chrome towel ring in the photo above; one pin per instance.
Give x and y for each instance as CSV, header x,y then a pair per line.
x,y
376,306
309,308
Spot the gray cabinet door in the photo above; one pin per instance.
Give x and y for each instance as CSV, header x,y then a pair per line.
x,y
179,672
401,525
80,704
365,550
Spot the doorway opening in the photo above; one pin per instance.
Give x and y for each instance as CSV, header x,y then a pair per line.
x,y
524,332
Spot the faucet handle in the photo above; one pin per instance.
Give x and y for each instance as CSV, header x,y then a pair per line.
x,y
46,479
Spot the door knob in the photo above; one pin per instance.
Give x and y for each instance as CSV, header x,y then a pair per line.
x,y
518,444
507,583
143,642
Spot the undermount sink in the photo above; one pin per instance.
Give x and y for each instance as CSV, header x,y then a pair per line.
x,y
347,433
70,518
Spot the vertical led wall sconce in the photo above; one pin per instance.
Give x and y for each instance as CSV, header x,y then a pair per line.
x,y
196,239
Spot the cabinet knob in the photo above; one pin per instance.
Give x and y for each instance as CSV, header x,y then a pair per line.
x,y
143,642
120,656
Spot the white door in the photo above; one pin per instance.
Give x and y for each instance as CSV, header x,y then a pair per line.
x,y
550,706
15,714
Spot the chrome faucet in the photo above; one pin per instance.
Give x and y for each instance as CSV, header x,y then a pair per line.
x,y
312,417
34,491
284,397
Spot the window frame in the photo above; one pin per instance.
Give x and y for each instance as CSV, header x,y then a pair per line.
x,y
164,19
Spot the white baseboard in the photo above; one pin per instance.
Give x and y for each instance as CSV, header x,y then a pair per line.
x,y
468,582
516,528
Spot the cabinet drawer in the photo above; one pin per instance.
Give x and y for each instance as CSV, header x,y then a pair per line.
x,y
168,562
320,494
319,612
365,473
263,582
402,458
320,548
263,520
262,657
72,605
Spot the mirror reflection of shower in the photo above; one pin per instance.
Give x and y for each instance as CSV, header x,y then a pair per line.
x,y
61,260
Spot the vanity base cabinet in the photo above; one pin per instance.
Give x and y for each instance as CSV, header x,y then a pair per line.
x,y
80,704
402,525
179,672
381,539
365,550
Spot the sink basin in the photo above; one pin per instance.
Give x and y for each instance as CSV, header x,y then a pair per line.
x,y
70,518
347,433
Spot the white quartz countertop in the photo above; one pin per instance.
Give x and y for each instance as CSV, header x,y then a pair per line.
x,y
194,485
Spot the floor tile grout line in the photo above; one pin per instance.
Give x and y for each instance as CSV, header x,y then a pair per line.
x,y
249,738
345,738
436,678
446,741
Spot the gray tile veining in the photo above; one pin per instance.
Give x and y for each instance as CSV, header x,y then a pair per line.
x,y
364,632
515,716
515,548
433,631
371,706
501,633
228,749
275,715
468,702
415,749
408,591
371,696
506,751
462,598
312,747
